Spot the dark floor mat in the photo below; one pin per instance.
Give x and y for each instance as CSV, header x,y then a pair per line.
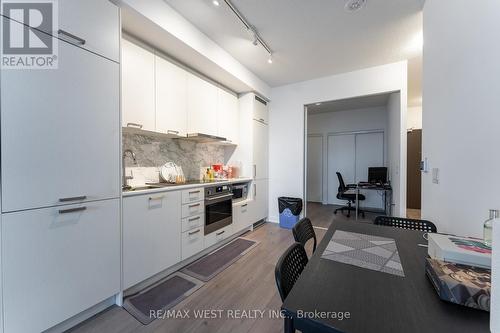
x,y
214,263
161,296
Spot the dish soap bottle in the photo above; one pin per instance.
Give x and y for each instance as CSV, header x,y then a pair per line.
x,y
488,226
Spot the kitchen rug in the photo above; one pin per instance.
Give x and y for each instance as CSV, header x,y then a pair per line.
x,y
161,296
212,264
366,251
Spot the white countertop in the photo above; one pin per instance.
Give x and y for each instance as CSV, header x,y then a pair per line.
x,y
181,187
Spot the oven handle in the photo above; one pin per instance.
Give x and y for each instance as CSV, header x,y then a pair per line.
x,y
219,197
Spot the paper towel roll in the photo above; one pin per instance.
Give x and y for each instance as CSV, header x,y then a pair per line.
x,y
495,280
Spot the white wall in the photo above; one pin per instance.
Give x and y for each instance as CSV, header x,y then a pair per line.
x,y
344,121
286,129
414,117
461,113
396,154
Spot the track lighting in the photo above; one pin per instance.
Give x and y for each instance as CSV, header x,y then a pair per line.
x,y
354,5
216,3
270,60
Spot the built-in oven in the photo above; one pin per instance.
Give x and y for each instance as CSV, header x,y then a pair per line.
x,y
240,191
218,207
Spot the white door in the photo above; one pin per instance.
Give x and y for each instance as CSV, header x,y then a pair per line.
x,y
138,87
315,168
60,132
202,106
260,150
227,116
171,98
341,158
369,153
58,262
151,235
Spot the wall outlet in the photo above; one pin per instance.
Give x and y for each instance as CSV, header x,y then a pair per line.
x,y
435,175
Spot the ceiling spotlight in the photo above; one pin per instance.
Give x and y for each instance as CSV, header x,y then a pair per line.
x,y
216,3
354,5
270,60
253,35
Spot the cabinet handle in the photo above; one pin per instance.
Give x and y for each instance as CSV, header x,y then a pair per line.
x,y
172,132
254,190
220,233
134,125
195,205
254,170
69,199
245,205
72,210
79,40
194,219
194,232
194,192
261,120
156,198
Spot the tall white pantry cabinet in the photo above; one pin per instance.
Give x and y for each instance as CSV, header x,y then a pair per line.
x,y
60,162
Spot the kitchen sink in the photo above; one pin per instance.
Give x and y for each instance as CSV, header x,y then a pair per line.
x,y
146,187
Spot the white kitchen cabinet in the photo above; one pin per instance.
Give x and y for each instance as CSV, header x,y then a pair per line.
x,y
193,195
171,98
243,215
193,222
192,242
91,24
193,209
260,110
60,132
138,87
58,263
202,106
218,236
151,235
227,116
260,150
260,190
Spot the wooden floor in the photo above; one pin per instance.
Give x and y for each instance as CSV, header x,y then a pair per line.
x,y
248,284
322,215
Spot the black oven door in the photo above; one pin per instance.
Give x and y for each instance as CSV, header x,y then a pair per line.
x,y
218,212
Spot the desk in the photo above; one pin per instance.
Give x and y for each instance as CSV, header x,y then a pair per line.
x,y
387,189
376,301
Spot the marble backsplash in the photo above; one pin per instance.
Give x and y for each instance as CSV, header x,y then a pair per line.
x,y
152,151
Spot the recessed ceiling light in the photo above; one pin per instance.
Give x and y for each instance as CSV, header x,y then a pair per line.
x,y
216,3
354,5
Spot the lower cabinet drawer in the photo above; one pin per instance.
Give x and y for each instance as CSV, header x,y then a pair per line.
x,y
58,262
217,236
193,209
193,222
192,242
193,195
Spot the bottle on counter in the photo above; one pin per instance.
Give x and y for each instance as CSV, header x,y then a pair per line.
x,y
488,226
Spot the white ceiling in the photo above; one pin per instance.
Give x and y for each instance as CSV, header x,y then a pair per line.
x,y
357,103
312,38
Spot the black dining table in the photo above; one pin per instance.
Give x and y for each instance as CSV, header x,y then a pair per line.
x,y
327,292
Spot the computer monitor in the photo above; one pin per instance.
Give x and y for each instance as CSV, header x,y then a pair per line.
x,y
377,175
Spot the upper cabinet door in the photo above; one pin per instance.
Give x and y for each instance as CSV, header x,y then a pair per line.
x,y
171,98
60,132
138,87
227,116
91,24
202,106
260,150
94,21
260,111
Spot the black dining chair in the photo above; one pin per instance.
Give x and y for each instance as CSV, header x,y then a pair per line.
x,y
304,231
404,223
288,269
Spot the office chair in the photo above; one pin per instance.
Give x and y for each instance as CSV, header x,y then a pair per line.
x,y
287,272
304,231
403,223
349,197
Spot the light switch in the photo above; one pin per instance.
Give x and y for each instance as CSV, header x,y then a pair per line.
x,y
435,175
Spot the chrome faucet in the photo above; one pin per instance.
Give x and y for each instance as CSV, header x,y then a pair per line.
x,y
125,177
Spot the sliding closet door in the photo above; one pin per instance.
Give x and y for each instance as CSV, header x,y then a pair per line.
x,y
369,153
341,158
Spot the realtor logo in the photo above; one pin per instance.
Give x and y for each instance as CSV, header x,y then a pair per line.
x,y
26,34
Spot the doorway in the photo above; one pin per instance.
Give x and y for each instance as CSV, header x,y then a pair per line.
x,y
414,181
315,168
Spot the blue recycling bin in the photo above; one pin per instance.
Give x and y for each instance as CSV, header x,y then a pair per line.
x,y
290,209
